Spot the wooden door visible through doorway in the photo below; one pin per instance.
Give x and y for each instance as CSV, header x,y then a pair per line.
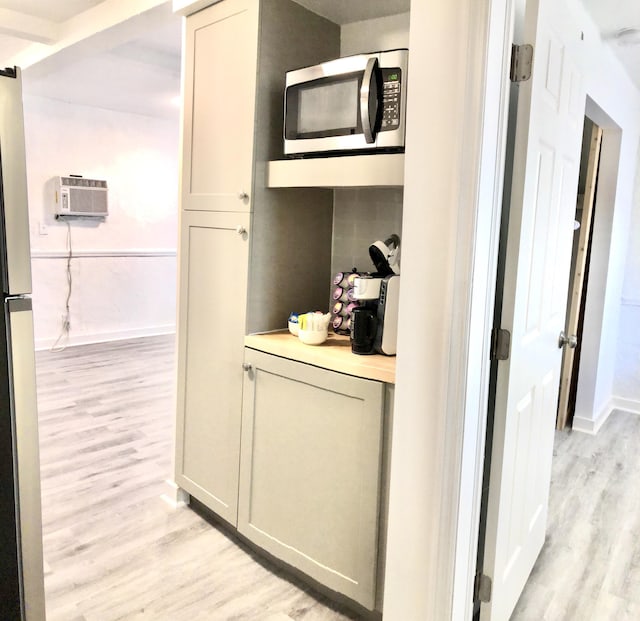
x,y
585,208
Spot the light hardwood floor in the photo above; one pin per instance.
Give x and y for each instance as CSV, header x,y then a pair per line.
x,y
113,548
589,567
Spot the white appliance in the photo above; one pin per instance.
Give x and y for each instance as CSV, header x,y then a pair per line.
x,y
77,196
387,313
366,288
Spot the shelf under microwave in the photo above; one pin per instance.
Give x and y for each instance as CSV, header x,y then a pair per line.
x,y
349,171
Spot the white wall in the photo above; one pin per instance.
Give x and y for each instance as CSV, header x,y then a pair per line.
x,y
360,217
124,269
627,377
450,215
614,104
383,33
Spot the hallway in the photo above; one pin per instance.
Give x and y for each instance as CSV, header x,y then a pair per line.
x,y
589,568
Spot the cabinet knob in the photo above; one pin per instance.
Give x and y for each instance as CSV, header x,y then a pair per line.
x,y
246,366
243,196
240,230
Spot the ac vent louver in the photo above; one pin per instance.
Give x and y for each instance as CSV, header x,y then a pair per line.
x,y
77,196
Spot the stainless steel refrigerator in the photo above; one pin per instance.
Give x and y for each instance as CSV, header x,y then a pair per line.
x,y
21,571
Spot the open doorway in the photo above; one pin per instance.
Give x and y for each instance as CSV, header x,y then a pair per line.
x,y
104,298
572,531
579,276
589,413
598,338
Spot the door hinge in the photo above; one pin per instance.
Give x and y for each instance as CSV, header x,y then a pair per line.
x,y
500,344
482,588
521,62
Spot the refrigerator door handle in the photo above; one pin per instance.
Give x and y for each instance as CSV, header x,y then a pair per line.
x,y
24,414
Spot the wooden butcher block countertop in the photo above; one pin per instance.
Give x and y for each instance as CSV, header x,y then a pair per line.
x,y
334,354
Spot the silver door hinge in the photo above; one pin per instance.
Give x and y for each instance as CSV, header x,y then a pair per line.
x,y
500,344
482,588
521,62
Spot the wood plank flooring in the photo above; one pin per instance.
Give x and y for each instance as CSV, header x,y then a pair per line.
x,y
113,549
589,567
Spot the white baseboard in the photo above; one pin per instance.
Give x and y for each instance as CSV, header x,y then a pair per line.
x,y
104,337
592,425
628,405
175,496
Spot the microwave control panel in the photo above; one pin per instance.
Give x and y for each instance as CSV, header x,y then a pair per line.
x,y
391,79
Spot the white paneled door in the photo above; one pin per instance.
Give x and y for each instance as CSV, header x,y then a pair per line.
x,y
550,116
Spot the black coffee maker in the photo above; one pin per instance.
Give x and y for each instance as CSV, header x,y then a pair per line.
x,y
364,318
364,326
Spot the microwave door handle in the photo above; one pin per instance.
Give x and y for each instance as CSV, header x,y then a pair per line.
x,y
364,99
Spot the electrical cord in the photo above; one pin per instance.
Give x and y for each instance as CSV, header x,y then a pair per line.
x,y
66,322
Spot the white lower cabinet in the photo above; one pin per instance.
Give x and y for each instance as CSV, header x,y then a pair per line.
x,y
310,470
214,255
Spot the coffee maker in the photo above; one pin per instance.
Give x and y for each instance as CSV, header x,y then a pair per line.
x,y
374,322
364,317
387,314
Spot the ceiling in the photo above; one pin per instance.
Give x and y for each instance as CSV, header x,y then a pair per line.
x,y
55,11
132,66
612,16
347,12
133,62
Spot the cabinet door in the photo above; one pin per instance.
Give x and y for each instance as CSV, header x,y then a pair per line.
x,y
219,106
211,327
310,470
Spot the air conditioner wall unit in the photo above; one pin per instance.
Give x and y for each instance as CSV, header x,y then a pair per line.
x,y
78,196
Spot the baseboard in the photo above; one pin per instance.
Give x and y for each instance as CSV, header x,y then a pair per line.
x,y
175,496
592,425
104,337
628,405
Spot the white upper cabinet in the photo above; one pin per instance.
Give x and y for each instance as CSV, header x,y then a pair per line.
x,y
219,107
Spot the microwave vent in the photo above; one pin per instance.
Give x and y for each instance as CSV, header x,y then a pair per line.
x,y
78,196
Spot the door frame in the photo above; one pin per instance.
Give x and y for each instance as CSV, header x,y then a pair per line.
x,y
493,168
452,194
452,204
604,206
591,409
471,462
579,272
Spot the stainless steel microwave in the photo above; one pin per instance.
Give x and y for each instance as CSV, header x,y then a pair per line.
x,y
351,104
